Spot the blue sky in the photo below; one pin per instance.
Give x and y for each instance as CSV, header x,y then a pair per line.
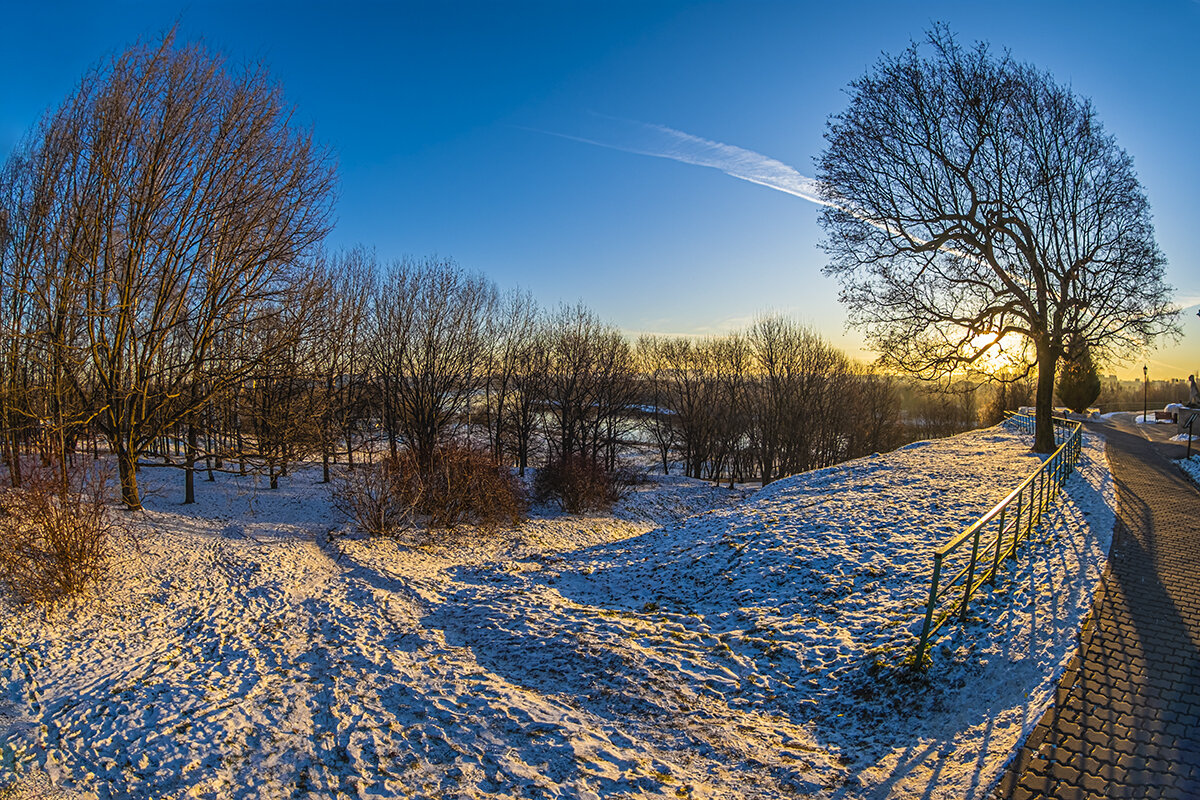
x,y
467,129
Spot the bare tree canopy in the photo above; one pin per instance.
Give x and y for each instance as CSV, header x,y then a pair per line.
x,y
430,350
973,198
174,200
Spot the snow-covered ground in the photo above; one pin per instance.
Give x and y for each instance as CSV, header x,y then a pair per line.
x,y
695,643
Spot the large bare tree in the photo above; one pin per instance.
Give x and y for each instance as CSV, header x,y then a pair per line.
x,y
972,197
183,196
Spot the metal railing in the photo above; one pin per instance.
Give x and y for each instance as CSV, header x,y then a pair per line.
x,y
1190,421
996,535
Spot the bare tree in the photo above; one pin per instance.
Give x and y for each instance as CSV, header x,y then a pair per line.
x,y
512,331
773,341
341,348
525,406
44,331
184,196
656,371
429,348
588,388
282,397
875,426
22,227
800,398
972,197
732,359
686,377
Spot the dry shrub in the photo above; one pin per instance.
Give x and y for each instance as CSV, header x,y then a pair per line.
x,y
462,485
576,483
466,485
374,497
55,539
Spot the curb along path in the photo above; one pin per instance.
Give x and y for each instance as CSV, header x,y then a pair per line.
x,y
1126,719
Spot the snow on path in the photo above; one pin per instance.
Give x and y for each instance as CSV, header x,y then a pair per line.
x,y
742,649
1191,467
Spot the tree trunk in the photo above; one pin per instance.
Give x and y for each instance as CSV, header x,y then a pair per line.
x,y
12,447
241,448
328,439
389,422
209,444
127,471
1043,437
189,466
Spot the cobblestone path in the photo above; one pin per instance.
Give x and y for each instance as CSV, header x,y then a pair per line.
x,y
1126,720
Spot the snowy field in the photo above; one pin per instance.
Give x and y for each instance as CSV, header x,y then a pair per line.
x,y
695,643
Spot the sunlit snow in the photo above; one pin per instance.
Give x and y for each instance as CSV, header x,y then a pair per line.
x,y
696,643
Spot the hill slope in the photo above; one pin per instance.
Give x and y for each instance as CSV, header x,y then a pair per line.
x,y
692,644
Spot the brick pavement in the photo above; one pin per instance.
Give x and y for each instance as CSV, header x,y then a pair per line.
x,y
1126,719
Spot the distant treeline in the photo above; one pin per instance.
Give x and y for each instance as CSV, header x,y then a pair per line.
x,y
360,357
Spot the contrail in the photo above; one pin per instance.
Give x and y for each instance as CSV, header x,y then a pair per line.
x,y
648,139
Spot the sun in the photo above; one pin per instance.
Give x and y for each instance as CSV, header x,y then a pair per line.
x,y
1004,352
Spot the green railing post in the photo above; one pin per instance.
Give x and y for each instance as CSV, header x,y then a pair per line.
x,y
1041,497
999,547
933,587
962,612
1029,518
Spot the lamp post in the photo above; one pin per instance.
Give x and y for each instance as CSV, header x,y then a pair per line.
x,y
1145,392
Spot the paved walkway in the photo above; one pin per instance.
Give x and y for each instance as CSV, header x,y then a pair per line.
x,y
1126,722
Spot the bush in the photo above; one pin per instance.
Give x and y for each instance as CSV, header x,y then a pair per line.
x,y
576,483
55,539
466,485
374,497
462,485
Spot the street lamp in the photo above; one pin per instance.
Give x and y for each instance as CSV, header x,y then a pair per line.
x,y
1145,392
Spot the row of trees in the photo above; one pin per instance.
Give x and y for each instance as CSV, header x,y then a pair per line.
x,y
415,354
152,231
773,400
160,284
